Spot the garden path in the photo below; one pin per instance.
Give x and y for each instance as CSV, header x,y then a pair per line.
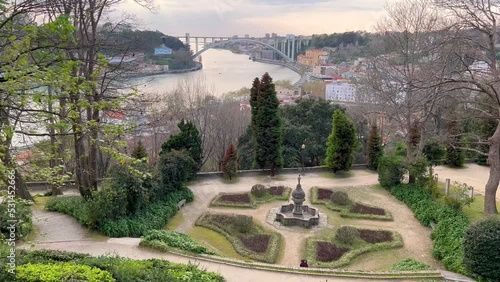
x,y
416,237
61,232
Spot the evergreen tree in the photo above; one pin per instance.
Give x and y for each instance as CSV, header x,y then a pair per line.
x,y
230,163
341,143
139,151
454,156
374,148
267,125
188,139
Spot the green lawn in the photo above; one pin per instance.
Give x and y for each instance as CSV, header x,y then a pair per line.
x,y
475,211
175,221
338,175
215,241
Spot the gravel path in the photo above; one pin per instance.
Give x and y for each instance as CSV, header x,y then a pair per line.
x,y
61,232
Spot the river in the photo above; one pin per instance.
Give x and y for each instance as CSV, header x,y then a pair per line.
x,y
223,71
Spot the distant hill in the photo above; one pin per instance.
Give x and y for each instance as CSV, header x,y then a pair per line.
x,y
138,41
334,40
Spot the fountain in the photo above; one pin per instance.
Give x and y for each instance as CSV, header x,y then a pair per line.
x,y
297,213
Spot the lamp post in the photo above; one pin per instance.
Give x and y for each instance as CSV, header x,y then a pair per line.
x,y
302,148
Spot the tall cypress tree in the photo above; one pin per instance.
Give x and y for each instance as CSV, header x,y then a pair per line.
x,y
374,148
266,125
341,143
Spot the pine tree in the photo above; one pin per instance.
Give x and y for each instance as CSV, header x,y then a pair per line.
x,y
188,139
374,148
139,151
266,125
341,143
230,163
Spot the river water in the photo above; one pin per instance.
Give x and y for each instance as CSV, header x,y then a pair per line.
x,y
223,71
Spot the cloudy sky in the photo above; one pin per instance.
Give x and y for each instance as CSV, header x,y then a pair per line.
x,y
257,17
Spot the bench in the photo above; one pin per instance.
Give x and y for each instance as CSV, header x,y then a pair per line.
x,y
181,204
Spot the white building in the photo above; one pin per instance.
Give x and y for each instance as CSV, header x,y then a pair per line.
x,y
340,91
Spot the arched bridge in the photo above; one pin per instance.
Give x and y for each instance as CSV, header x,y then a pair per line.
x,y
218,43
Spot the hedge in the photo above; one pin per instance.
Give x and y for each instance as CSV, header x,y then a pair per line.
x,y
451,224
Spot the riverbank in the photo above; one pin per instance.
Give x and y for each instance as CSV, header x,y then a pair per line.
x,y
198,66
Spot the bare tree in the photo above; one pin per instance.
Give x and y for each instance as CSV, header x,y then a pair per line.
x,y
474,41
404,66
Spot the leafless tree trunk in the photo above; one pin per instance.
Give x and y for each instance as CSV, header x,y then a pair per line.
x,y
475,31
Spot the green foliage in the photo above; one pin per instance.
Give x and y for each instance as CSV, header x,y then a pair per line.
x,y
341,143
121,269
390,170
230,163
153,216
335,40
266,124
448,235
340,198
410,265
346,234
306,122
482,248
131,190
13,208
374,150
66,271
258,190
160,239
175,168
188,139
454,157
139,151
418,169
434,152
243,224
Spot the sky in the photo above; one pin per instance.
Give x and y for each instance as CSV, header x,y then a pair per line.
x,y
256,17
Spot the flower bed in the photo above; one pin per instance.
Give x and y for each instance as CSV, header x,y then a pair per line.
x,y
327,252
352,210
247,200
248,239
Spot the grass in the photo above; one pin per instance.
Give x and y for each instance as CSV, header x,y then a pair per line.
x,y
474,212
215,241
175,221
41,201
338,175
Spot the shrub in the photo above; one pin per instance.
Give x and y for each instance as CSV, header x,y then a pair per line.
x,y
160,239
339,198
434,152
346,234
67,271
22,214
482,248
258,190
243,224
454,157
410,265
230,163
175,168
374,148
448,235
390,170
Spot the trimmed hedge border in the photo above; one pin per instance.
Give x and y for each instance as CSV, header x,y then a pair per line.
x,y
273,249
254,201
345,211
451,224
164,240
350,255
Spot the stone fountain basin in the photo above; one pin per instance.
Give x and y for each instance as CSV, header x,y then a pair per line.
x,y
309,217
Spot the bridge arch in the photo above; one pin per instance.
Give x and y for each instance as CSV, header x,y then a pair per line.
x,y
212,45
